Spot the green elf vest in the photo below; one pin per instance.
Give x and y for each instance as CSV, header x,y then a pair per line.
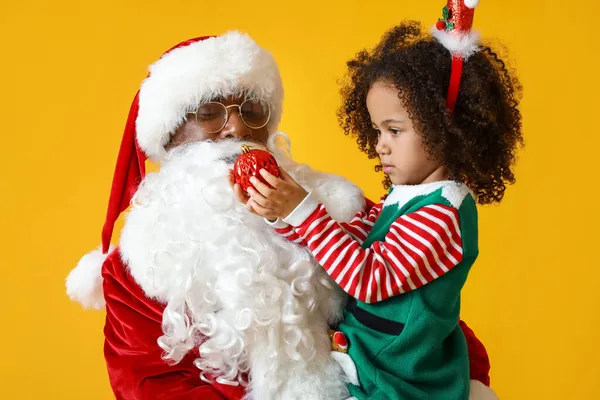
x,y
410,347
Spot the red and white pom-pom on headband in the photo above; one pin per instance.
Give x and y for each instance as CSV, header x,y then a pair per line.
x,y
454,32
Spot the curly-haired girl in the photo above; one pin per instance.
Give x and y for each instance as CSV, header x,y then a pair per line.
x,y
445,126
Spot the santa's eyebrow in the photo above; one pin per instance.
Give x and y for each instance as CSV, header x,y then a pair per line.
x,y
217,98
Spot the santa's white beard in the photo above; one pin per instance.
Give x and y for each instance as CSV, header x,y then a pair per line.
x,y
252,301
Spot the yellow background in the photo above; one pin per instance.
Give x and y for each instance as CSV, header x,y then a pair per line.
x,y
69,71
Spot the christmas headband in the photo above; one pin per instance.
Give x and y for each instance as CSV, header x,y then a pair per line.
x,y
454,32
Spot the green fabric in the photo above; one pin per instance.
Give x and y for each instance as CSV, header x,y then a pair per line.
x,y
429,359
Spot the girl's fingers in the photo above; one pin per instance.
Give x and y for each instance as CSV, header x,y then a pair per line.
x,y
262,211
259,198
261,187
286,177
270,178
240,195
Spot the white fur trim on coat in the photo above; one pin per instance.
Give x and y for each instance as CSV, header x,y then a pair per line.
x,y
187,76
84,283
462,44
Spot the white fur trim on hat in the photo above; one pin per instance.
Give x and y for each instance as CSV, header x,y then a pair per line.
x,y
462,44
185,77
84,283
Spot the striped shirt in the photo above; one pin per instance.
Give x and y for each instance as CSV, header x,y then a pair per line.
x,y
419,247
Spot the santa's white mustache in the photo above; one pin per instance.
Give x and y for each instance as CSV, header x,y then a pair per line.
x,y
226,150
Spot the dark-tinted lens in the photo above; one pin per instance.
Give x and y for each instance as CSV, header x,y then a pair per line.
x,y
211,117
255,112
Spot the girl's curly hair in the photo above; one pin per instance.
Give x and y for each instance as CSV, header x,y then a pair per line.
x,y
477,142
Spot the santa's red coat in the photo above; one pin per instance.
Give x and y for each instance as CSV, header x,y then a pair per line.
x,y
133,357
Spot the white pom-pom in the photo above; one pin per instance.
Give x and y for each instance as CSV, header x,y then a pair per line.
x,y
481,392
84,283
341,197
471,3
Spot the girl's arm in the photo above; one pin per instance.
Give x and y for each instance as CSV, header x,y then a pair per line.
x,y
420,247
359,227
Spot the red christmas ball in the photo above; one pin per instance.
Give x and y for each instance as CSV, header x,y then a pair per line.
x,y
249,163
441,25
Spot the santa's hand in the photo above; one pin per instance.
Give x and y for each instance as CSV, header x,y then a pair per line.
x,y
277,201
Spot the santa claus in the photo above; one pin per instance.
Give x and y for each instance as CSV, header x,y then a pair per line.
x,y
203,299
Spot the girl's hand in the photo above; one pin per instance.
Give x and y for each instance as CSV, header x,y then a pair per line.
x,y
276,202
239,194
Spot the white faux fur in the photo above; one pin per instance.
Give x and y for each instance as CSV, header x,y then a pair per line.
x,y
471,3
261,303
481,392
458,43
454,192
185,77
347,365
84,283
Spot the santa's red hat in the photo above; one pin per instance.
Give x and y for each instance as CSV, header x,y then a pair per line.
x,y
188,74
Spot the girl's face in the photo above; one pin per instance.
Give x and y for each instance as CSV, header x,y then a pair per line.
x,y
403,156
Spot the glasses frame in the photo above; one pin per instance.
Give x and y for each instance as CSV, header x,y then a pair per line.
x,y
239,110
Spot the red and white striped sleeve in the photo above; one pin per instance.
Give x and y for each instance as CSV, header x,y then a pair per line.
x,y
362,223
359,227
420,247
288,232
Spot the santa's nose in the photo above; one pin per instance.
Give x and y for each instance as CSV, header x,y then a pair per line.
x,y
235,127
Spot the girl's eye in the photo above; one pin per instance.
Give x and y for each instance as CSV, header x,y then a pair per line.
x,y
395,131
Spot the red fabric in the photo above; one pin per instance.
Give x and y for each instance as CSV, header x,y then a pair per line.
x,y
130,168
133,357
369,204
479,361
455,75
461,15
129,172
